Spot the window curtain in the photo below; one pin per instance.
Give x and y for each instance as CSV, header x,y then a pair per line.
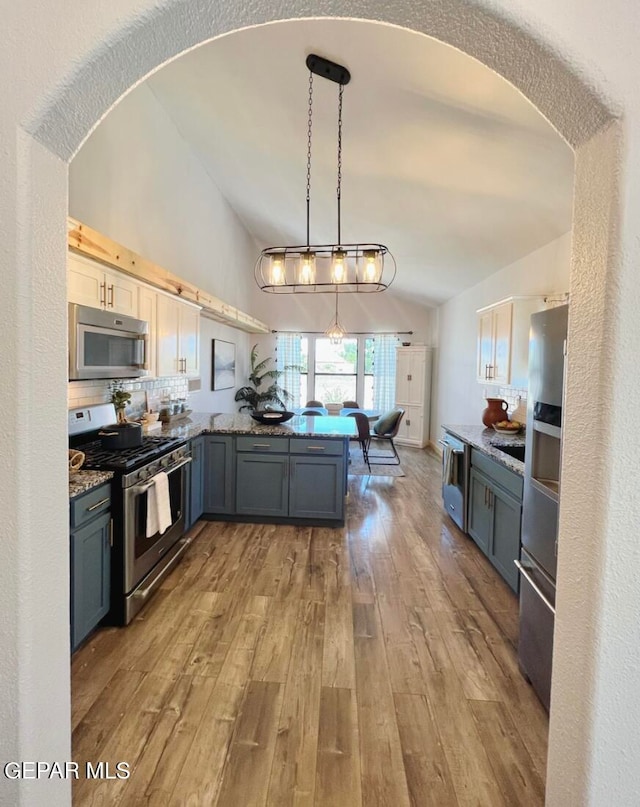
x,y
384,371
288,353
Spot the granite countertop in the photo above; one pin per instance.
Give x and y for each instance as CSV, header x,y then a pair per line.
x,y
486,440
82,481
298,426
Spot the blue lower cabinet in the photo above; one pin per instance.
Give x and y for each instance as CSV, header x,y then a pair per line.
x,y
218,474
317,487
262,484
90,576
194,480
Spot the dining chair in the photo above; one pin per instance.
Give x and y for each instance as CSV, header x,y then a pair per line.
x,y
314,403
350,405
364,435
311,413
386,428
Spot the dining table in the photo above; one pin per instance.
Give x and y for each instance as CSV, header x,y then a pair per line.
x,y
372,414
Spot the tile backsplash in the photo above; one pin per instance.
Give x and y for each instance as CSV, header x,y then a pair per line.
x,y
513,397
87,393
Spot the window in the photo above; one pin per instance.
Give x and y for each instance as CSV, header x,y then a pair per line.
x,y
336,370
361,368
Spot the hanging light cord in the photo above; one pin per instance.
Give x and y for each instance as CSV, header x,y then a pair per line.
x,y
339,190
309,126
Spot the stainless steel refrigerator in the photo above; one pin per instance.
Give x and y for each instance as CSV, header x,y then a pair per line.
x,y
547,353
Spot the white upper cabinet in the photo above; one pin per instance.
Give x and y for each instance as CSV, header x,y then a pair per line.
x,y
413,393
90,283
503,341
178,342
148,311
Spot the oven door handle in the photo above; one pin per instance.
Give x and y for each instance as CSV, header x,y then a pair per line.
x,y
170,470
444,444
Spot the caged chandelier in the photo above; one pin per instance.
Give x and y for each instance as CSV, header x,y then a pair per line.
x,y
327,267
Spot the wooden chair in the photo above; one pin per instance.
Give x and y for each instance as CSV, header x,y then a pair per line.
x,y
350,405
314,403
311,413
388,435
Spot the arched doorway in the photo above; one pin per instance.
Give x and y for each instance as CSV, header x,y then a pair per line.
x,y
55,128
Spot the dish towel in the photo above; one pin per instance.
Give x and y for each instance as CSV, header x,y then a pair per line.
x,y
448,469
158,505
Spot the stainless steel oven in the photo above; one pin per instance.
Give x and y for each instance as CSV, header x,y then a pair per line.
x,y
148,559
106,345
455,478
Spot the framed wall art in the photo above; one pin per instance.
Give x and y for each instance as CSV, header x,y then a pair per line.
x,y
223,364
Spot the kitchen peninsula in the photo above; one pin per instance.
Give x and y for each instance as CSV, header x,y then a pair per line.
x,y
294,472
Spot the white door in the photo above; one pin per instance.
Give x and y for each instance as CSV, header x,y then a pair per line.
x,y
121,294
502,335
167,341
189,339
85,282
416,378
403,371
485,345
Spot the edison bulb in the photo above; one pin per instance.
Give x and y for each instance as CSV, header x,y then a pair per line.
x,y
371,267
307,270
339,268
277,270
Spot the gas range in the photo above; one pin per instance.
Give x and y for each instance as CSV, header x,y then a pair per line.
x,y
155,454
139,560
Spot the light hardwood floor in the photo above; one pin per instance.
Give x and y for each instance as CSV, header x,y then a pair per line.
x,y
371,665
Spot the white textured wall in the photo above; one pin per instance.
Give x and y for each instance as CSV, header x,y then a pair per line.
x,y
457,396
136,180
208,400
62,77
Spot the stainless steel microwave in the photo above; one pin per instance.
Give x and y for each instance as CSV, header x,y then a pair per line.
x,y
106,345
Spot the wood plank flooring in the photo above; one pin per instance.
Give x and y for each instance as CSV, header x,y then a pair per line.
x,y
372,665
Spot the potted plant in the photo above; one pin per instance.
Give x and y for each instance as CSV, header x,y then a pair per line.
x,y
119,398
253,397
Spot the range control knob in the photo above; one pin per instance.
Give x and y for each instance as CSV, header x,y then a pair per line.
x,y
143,474
164,462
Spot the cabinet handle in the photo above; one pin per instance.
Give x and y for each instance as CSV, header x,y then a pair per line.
x,y
111,296
316,448
261,445
486,490
408,378
111,533
103,294
524,572
408,422
98,504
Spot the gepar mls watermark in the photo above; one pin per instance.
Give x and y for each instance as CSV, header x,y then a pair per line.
x,y
66,770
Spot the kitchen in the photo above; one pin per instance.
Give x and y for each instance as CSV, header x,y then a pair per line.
x,y
543,270
494,298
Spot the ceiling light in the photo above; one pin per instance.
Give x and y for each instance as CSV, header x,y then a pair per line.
x,y
335,332
327,267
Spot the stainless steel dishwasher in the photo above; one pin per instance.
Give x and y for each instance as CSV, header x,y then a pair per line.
x,y
456,456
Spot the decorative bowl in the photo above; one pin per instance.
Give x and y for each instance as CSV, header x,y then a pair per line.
x,y
511,430
271,418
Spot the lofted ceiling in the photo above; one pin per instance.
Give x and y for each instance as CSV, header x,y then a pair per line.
x,y
443,161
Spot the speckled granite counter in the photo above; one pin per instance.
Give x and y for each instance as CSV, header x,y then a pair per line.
x,y
321,426
486,440
82,481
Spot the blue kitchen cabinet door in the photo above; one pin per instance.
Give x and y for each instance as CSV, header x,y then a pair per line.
x,y
480,516
196,490
90,576
505,539
262,484
317,487
218,475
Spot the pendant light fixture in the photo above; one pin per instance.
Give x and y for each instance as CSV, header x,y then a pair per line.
x,y
338,267
335,332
